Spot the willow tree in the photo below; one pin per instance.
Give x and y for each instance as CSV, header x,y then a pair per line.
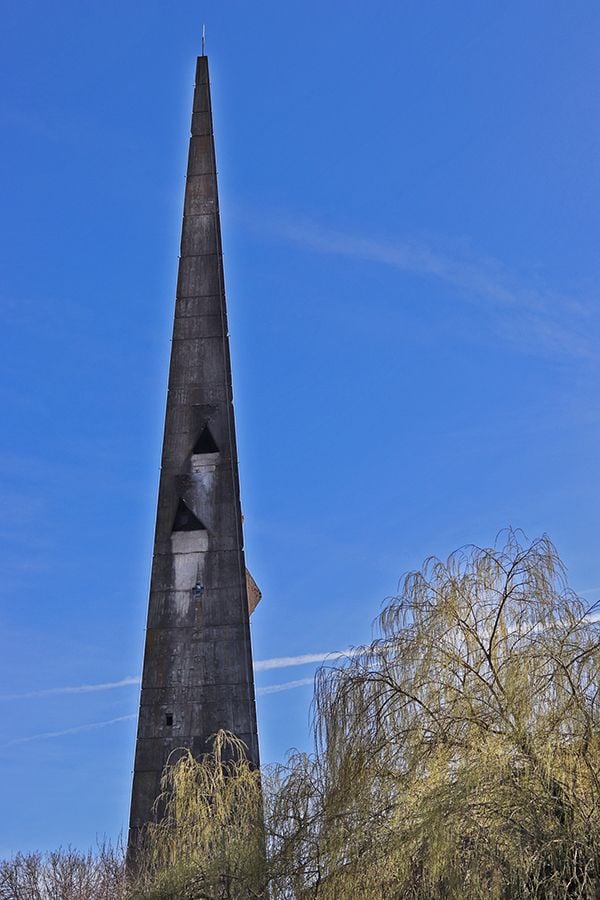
x,y
208,842
458,755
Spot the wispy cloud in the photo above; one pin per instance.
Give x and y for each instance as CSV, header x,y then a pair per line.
x,y
532,316
283,662
91,726
286,686
73,689
261,665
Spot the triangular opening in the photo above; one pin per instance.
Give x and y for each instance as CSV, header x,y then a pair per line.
x,y
185,520
205,442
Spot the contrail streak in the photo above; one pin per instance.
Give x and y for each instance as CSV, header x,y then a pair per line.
x,y
74,689
282,662
261,665
286,686
91,726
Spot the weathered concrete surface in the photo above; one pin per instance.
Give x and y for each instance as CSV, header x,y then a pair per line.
x,y
197,674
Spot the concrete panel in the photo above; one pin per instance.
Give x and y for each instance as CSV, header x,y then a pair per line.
x,y
162,574
198,276
150,758
201,160
168,501
215,634
201,99
172,657
178,454
189,543
234,707
210,493
225,527
182,419
223,570
169,609
200,306
202,79
186,426
198,362
200,195
220,606
195,327
201,123
197,395
146,787
212,485
189,694
153,722
219,663
204,490
188,573
199,490
204,462
217,542
199,235
192,418
219,642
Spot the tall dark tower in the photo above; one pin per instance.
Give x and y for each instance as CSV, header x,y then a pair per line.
x,y
197,674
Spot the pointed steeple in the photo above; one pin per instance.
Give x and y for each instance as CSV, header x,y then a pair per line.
x,y
197,675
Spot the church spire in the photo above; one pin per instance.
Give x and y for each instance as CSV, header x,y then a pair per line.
x,y
197,675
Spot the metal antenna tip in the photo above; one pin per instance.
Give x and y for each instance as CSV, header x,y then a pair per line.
x,y
204,40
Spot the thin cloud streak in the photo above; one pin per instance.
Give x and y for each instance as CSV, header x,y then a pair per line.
x,y
286,686
283,662
91,726
559,325
261,665
74,689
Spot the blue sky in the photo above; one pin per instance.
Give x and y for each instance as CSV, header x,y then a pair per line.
x,y
410,199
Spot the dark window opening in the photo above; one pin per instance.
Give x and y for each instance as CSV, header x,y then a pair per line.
x,y
185,520
205,442
169,720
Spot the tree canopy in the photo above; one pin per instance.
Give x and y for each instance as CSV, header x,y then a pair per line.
x,y
456,756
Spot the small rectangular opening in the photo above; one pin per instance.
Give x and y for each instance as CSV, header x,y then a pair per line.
x,y
169,720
